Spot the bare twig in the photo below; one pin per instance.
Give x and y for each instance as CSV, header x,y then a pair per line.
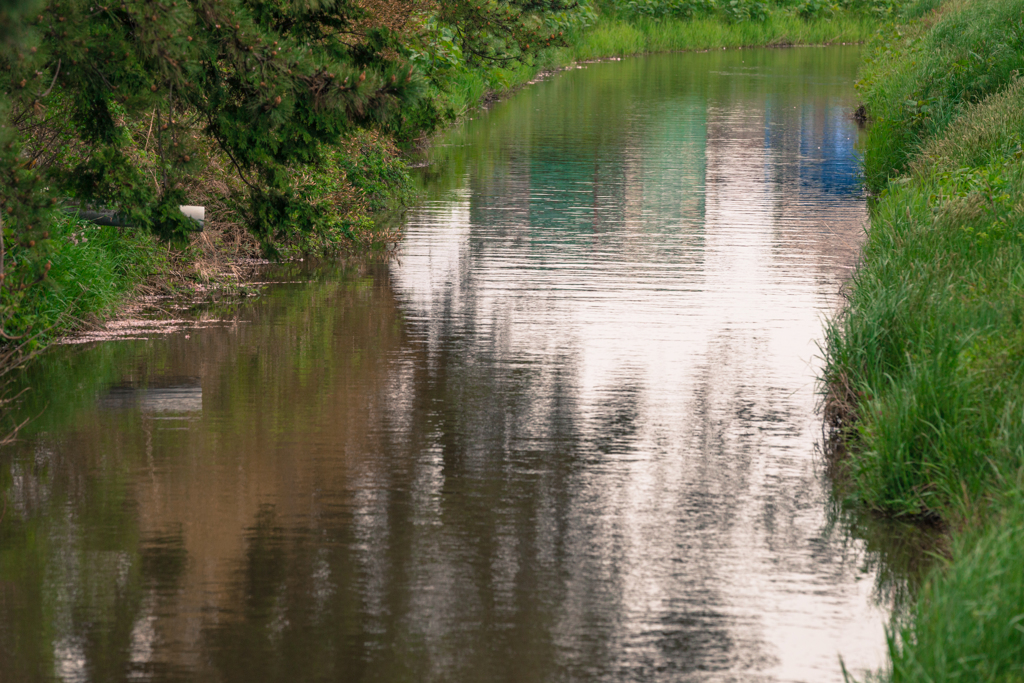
x,y
160,145
52,83
226,150
13,434
148,132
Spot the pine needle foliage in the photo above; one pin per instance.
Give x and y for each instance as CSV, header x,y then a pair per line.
x,y
268,82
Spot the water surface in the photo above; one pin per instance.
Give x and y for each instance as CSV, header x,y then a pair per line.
x,y
566,434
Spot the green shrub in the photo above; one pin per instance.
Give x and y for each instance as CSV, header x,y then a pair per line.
x,y
669,8
815,8
745,10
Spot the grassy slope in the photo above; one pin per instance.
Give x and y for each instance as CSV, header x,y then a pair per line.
x,y
927,363
617,37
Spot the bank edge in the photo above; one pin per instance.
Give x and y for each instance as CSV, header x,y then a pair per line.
x,y
925,366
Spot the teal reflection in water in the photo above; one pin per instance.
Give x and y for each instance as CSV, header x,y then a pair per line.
x,y
566,433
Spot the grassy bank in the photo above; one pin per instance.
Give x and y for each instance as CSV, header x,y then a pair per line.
x,y
623,36
926,365
616,34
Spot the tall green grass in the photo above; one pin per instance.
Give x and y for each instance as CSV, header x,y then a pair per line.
x,y
612,36
926,364
968,624
931,345
468,88
93,270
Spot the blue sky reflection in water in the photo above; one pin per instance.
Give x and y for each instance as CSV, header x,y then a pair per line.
x,y
623,288
567,434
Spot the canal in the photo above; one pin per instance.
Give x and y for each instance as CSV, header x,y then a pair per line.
x,y
565,432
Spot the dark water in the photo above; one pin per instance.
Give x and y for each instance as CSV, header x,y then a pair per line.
x,y
566,434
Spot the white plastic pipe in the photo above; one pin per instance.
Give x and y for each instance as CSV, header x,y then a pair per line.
x,y
196,213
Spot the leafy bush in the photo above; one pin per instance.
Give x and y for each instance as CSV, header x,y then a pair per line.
x,y
365,175
657,9
271,84
815,8
745,10
375,169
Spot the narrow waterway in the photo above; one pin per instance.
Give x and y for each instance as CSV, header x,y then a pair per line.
x,y
566,433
